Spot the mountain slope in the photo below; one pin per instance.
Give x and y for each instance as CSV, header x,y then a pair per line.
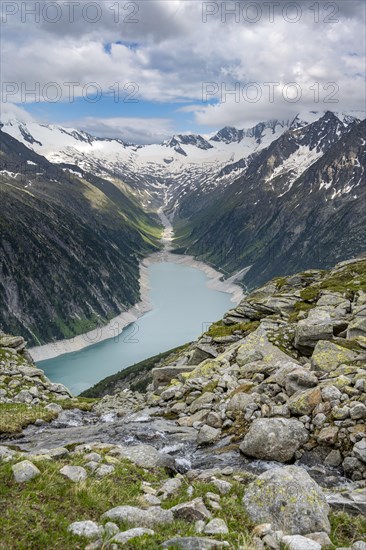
x,y
300,203
70,247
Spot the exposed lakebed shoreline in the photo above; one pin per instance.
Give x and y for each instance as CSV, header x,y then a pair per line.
x,y
121,321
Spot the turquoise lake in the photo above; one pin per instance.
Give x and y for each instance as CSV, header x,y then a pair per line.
x,y
183,307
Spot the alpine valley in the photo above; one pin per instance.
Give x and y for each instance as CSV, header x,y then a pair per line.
x,y
80,212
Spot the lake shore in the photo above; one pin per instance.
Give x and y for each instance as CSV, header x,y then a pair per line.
x,y
117,324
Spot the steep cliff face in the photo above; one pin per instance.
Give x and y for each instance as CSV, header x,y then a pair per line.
x,y
70,246
299,203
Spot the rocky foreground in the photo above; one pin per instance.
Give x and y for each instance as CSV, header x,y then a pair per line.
x,y
253,437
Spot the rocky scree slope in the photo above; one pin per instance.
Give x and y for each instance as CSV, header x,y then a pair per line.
x,y
129,494
283,376
281,379
70,247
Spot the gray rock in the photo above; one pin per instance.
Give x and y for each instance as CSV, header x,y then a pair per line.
x,y
334,458
138,517
297,542
146,456
331,393
299,379
222,486
359,450
125,536
54,407
110,529
74,473
359,545
204,401
321,538
104,470
274,439
87,529
328,356
163,375
24,471
216,526
353,502
191,511
214,420
289,499
207,435
170,487
55,453
310,331
6,454
358,411
194,543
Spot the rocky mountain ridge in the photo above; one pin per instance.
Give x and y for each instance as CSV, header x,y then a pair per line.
x,y
259,426
70,246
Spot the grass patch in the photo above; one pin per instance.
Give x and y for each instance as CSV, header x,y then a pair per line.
x,y
16,416
82,403
37,514
346,529
218,329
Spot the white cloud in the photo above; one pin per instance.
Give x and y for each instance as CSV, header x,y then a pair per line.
x,y
132,130
170,52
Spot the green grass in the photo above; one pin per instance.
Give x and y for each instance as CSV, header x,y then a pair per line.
x,y
36,515
218,329
346,529
16,416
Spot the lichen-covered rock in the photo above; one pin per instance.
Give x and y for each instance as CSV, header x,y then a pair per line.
x,y
289,499
274,439
327,356
304,402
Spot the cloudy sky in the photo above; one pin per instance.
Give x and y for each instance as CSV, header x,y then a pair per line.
x,y
145,69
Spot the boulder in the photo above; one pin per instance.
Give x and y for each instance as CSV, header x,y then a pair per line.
x,y
238,403
24,471
194,543
145,456
309,332
74,473
191,511
125,536
328,356
88,529
204,401
138,517
359,450
7,341
357,327
304,402
289,499
299,379
207,435
274,439
216,526
297,542
162,376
